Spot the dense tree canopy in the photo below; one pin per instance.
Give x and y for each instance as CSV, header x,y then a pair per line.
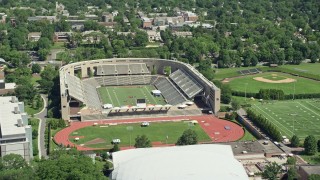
x,y
310,145
188,137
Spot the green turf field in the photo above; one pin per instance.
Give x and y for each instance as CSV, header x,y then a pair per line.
x,y
310,68
128,95
156,132
301,86
300,117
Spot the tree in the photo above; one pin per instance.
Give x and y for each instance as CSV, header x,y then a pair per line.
x,y
115,148
141,38
235,104
44,43
291,161
295,141
14,167
314,177
271,171
292,173
310,145
43,53
142,142
36,68
68,164
188,137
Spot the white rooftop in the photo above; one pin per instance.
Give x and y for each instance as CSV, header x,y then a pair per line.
x,y
8,119
206,161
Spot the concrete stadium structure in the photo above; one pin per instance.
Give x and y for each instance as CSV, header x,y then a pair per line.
x,y
183,84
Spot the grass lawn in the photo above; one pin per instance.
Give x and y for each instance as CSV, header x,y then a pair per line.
x,y
128,95
301,86
156,132
35,125
247,136
315,159
35,79
222,73
31,110
311,68
300,117
58,45
53,145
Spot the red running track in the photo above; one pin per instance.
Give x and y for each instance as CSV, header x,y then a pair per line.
x,y
213,126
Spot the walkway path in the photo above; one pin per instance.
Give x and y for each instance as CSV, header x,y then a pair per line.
x,y
42,126
217,129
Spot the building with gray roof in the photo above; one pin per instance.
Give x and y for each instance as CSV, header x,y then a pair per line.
x,y
205,161
15,133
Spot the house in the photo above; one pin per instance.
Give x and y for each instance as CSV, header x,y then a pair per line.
x,y
183,34
190,16
61,36
306,170
51,19
34,36
154,36
3,18
15,133
108,25
107,17
76,24
92,36
146,23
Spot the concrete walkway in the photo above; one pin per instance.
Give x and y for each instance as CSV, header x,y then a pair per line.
x,y
42,126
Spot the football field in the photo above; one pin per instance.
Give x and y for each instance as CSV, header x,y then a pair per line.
x,y
300,117
127,95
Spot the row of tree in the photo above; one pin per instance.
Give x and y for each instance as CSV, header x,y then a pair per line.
x,y
61,164
264,124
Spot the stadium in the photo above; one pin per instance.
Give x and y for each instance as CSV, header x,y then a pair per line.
x,y
122,88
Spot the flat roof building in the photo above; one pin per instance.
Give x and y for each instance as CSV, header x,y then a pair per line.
x,y
15,133
206,161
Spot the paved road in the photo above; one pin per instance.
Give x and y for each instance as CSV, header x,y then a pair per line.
x,y
42,125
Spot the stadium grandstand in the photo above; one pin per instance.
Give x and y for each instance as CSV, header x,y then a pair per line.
x,y
109,88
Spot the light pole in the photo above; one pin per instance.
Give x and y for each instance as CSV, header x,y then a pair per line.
x,y
245,92
130,128
294,115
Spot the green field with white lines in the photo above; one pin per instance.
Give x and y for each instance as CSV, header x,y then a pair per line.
x,y
300,117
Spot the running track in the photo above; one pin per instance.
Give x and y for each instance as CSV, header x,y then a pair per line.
x,y
213,126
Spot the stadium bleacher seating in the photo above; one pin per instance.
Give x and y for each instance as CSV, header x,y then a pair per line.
x,y
75,87
169,91
83,91
120,80
122,69
186,83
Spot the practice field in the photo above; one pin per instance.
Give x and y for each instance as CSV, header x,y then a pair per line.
x,y
128,95
157,132
300,117
288,83
310,68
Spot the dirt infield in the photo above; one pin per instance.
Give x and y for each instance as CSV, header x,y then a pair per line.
x,y
214,127
262,79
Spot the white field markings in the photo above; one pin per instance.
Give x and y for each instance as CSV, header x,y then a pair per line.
x,y
275,120
309,119
312,105
308,109
155,101
109,95
144,95
115,94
